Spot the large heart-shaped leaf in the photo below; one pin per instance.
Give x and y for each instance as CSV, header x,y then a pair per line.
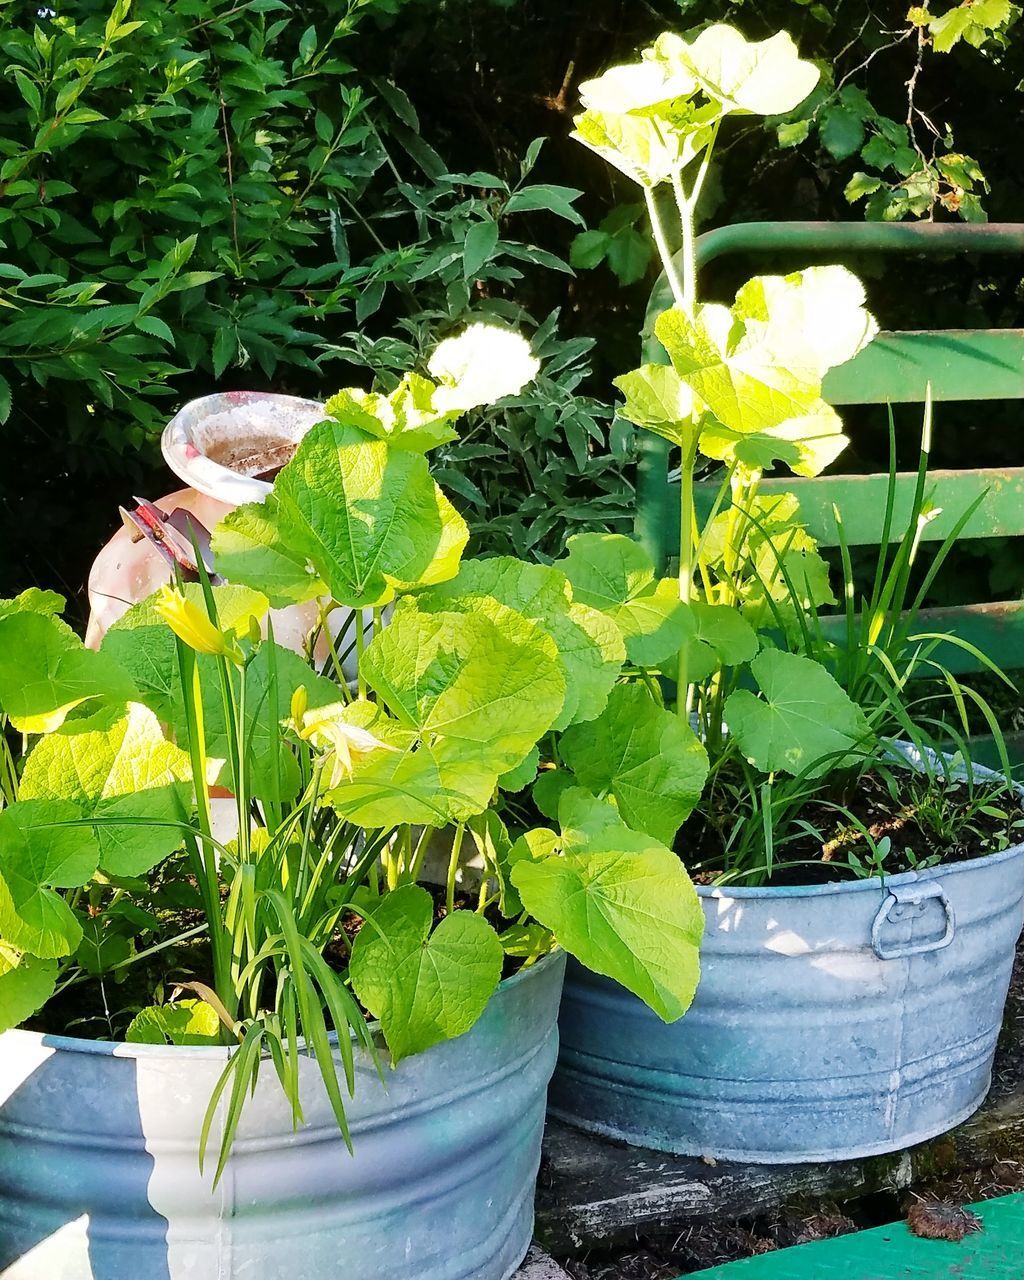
x,y
648,759
367,517
491,680
744,77
613,574
759,365
804,721
620,902
590,646
119,769
249,548
38,854
427,784
46,671
424,986
26,983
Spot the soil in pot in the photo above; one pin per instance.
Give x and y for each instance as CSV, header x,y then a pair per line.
x,y
885,822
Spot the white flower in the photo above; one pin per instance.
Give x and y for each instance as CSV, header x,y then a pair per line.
x,y
481,365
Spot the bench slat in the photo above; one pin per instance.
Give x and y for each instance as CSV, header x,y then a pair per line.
x,y
861,503
960,364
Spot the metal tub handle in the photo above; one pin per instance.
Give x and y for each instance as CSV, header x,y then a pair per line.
x,y
911,896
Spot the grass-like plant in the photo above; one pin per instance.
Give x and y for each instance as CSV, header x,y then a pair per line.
x,y
199,808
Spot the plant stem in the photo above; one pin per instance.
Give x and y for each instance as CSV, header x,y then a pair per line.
x,y
453,867
664,252
684,691
360,646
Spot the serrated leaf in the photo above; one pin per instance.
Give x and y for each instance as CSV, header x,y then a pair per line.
x,y
249,548
368,518
46,671
803,721
116,766
613,574
184,1022
425,986
649,760
620,902
43,846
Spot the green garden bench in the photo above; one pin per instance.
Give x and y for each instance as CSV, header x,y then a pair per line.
x,y
892,1253
897,368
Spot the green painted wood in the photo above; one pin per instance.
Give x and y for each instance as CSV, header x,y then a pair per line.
x,y
896,368
861,502
892,1253
997,630
959,364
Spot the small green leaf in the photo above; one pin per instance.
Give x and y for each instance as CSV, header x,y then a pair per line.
x,y
478,249
551,199
425,987
717,635
26,983
803,721
649,760
588,250
621,903
842,132
184,1022
657,398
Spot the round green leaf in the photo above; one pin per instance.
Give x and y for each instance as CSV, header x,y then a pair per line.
x,y
424,986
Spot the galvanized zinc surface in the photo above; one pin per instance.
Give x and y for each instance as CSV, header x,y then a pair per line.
x,y
892,1253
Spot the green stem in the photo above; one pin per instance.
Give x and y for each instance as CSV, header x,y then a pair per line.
x,y
360,647
664,252
453,867
684,691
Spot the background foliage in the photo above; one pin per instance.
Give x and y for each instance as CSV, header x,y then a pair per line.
x,y
262,194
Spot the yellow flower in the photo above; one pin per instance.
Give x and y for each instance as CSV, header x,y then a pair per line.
x,y
191,624
325,727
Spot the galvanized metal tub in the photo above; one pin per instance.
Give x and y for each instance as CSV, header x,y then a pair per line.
x,y
830,1023
99,1173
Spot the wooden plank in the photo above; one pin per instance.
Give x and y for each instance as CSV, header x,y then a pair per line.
x,y
861,504
960,364
997,630
594,1193
893,1253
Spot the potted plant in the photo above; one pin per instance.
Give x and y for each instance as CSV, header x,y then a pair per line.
x,y
862,890
201,1011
